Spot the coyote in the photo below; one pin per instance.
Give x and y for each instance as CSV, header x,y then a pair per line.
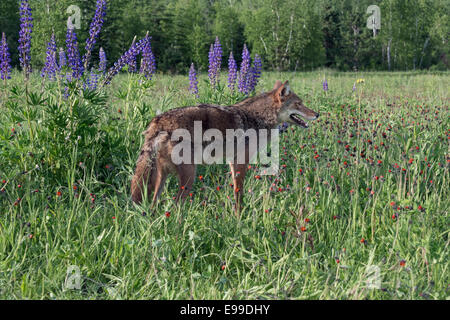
x,y
264,111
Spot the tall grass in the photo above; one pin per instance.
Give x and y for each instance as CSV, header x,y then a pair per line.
x,y
369,204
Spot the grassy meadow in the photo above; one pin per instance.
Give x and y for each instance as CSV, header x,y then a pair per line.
x,y
359,210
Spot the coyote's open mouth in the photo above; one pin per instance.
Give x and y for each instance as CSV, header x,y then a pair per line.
x,y
298,121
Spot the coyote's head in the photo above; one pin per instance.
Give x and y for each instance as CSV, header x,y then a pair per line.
x,y
291,107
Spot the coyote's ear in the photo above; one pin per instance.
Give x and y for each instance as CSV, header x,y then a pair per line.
x,y
278,84
285,89
282,92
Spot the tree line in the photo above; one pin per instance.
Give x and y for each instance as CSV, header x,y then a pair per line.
x,y
298,35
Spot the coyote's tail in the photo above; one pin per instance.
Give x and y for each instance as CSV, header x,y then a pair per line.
x,y
146,168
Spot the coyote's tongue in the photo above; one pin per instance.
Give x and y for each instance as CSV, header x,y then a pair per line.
x,y
299,121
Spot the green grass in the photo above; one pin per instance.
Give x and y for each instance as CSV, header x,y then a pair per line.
x,y
70,163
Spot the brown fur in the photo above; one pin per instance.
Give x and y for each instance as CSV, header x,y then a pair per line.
x,y
264,111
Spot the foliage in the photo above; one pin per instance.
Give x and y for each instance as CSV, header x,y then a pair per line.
x,y
289,35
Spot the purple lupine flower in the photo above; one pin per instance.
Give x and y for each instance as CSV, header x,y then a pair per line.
x,y
325,85
51,67
232,72
134,50
148,64
26,28
243,73
94,81
132,64
217,58
91,81
5,59
354,87
94,30
254,74
215,62
103,61
193,83
73,54
211,65
62,58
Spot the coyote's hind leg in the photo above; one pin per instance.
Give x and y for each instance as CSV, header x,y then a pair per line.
x,y
186,178
238,172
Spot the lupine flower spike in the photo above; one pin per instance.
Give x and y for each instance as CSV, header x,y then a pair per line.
x,y
26,28
132,64
73,54
62,58
243,73
325,85
51,67
148,65
103,61
5,60
217,60
193,83
254,74
92,81
211,64
134,50
94,30
232,72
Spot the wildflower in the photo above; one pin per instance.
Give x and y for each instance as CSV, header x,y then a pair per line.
x,y
245,67
26,28
217,58
132,64
103,61
354,87
360,80
193,88
167,214
51,67
134,50
59,193
211,63
5,59
255,73
232,72
402,263
62,58
73,54
325,85
303,229
215,62
92,81
148,66
94,30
